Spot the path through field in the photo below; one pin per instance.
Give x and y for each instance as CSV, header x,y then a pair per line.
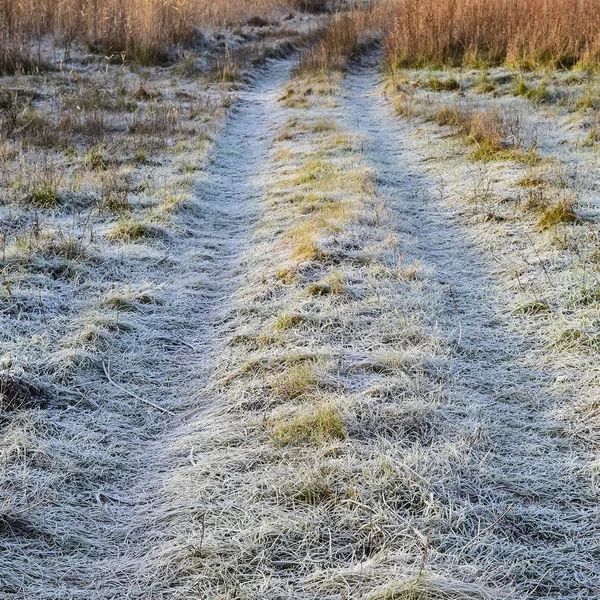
x,y
356,413
452,478
488,497
94,523
522,509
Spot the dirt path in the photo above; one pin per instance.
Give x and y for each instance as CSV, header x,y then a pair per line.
x,y
452,477
353,410
227,208
522,512
97,521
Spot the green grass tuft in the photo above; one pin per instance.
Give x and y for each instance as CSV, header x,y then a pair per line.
x,y
562,212
316,424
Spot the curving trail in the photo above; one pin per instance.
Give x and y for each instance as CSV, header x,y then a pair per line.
x,y
107,529
446,474
521,510
226,210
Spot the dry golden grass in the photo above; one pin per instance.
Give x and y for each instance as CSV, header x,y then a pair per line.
x,y
529,33
143,30
315,424
346,34
562,212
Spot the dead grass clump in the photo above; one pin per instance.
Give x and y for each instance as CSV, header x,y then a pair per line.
x,y
224,69
316,424
95,159
288,321
534,308
577,339
312,6
495,135
292,101
539,94
530,181
312,487
114,192
562,212
343,39
286,275
448,116
325,125
536,200
589,100
158,120
486,128
90,124
55,243
130,300
40,188
130,230
435,83
318,173
298,381
305,244
18,59
485,84
408,272
31,127
330,286
587,296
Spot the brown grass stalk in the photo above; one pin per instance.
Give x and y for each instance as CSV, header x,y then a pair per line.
x,y
145,30
524,33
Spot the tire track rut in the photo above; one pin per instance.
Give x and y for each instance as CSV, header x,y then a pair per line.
x,y
522,513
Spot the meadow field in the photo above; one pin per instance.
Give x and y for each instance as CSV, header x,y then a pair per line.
x,y
299,300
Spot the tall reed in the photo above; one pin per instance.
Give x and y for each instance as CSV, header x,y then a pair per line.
x,y
526,33
143,29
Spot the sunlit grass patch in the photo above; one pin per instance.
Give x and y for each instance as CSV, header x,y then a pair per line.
x,y
286,275
485,84
311,487
297,381
288,321
408,271
96,159
39,187
53,243
253,341
589,100
325,125
341,142
329,286
488,152
536,201
314,424
292,128
490,131
534,308
130,300
129,229
437,84
284,155
304,241
530,181
574,338
586,296
562,212
323,173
